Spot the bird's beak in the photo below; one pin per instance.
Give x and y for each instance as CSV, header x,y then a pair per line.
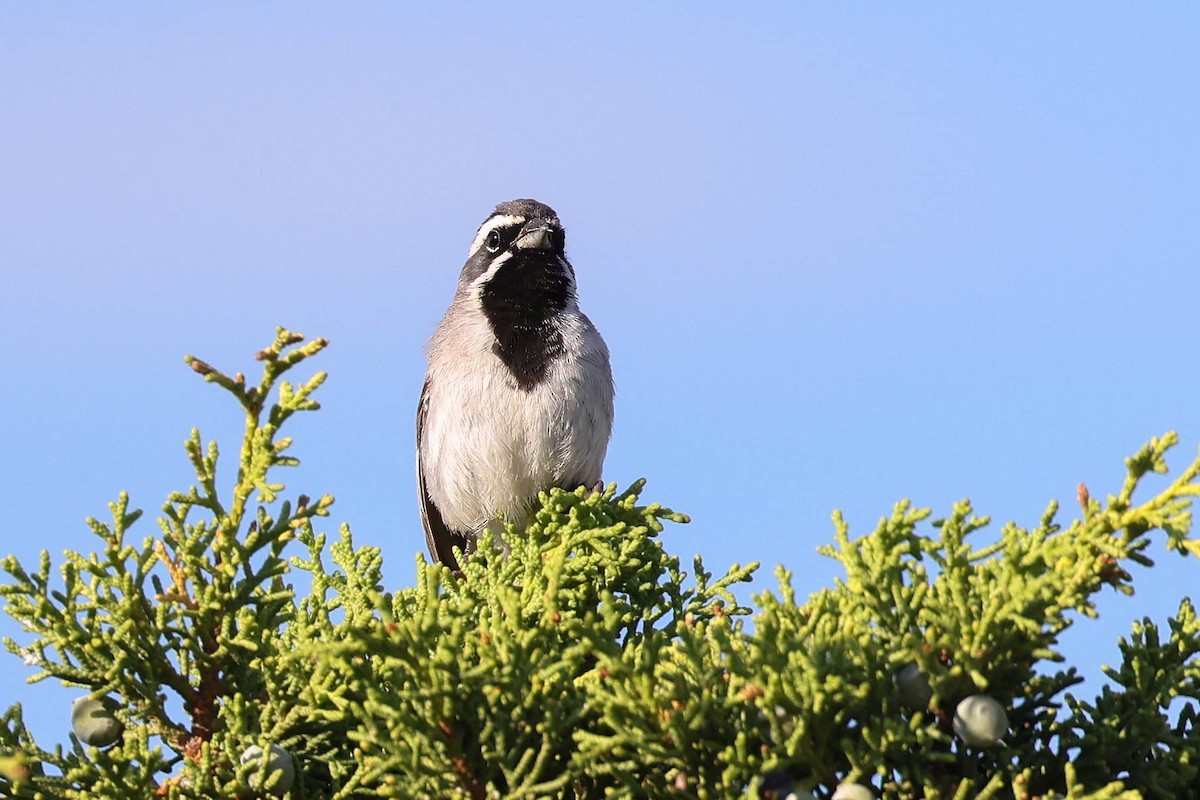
x,y
536,235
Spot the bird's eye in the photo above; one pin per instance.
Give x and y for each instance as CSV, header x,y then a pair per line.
x,y
493,241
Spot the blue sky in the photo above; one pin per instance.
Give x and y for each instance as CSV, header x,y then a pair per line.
x,y
842,254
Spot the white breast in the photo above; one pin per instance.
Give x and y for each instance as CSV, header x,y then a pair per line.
x,y
488,446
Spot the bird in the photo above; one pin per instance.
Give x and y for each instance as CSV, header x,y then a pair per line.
x,y
518,395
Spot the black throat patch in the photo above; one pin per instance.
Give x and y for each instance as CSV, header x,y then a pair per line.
x,y
522,302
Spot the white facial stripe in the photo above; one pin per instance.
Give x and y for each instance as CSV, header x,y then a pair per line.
x,y
495,266
498,221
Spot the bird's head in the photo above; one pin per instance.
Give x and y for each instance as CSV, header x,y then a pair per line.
x,y
518,256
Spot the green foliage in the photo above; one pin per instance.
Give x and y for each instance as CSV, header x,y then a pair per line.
x,y
973,619
588,663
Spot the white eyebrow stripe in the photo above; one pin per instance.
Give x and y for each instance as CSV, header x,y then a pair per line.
x,y
498,221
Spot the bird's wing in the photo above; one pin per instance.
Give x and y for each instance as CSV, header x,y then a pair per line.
x,y
438,537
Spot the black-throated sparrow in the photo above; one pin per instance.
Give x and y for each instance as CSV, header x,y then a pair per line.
x,y
518,397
